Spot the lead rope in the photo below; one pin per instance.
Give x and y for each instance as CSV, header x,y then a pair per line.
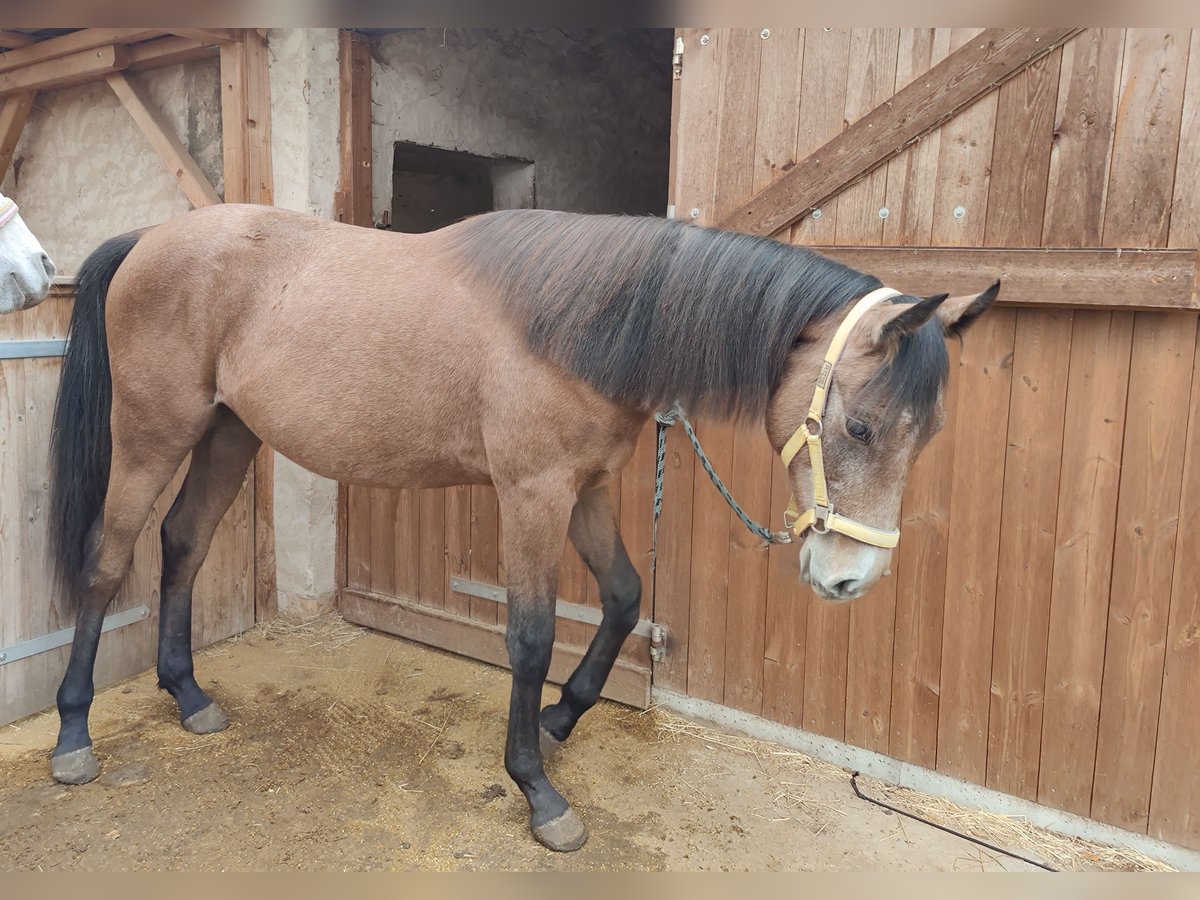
x,y
665,420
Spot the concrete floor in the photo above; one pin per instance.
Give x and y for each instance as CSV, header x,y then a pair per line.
x,y
353,750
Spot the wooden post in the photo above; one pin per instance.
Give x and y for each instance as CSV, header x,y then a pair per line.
x,y
352,202
246,136
12,122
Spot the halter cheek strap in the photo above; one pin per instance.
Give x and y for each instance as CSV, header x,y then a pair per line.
x,y
8,210
821,518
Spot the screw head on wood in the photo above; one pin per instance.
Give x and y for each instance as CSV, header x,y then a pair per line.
x,y
3,657
816,214
884,213
765,33
695,213
959,212
704,39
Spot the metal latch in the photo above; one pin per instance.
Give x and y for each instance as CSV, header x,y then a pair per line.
x,y
677,59
658,642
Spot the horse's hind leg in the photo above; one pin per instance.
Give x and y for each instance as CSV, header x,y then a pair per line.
x,y
218,467
134,484
594,533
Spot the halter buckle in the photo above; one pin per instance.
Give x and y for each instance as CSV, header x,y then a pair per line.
x,y
821,516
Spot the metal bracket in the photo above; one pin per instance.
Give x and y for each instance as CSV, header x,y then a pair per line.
x,y
32,349
56,639
589,615
677,60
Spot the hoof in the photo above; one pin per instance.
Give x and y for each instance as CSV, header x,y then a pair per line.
x,y
550,744
77,767
209,720
563,834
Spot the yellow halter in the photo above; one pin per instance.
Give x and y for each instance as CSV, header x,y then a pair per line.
x,y
821,518
8,209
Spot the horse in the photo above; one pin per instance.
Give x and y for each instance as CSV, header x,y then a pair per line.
x,y
524,349
26,271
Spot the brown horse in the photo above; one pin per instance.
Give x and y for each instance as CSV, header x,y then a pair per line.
x,y
521,349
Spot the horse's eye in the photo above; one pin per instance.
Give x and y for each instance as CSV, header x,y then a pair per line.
x,y
859,430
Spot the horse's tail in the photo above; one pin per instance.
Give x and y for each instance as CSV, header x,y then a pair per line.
x,y
81,441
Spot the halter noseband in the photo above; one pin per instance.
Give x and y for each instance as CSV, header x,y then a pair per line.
x,y
8,210
821,518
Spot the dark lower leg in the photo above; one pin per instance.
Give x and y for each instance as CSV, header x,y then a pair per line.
x,y
77,690
219,464
72,760
594,533
530,641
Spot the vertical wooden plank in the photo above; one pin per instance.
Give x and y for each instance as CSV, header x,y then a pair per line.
x,y
383,541
786,605
406,544
920,559
246,153
1147,523
358,537
485,557
637,512
1025,115
353,201
1083,134
825,73
709,641
1141,182
432,552
872,81
696,136
1094,427
12,122
751,457
1175,799
825,78
977,475
458,546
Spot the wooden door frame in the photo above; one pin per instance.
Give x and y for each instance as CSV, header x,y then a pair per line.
x,y
118,56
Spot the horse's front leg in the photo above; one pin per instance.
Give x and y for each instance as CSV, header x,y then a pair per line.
x,y
595,535
535,515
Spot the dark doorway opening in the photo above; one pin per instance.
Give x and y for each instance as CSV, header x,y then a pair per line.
x,y
433,187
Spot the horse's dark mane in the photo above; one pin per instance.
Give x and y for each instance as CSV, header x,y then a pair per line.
x,y
649,311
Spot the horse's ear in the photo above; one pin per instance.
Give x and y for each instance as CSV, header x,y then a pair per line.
x,y
886,323
958,313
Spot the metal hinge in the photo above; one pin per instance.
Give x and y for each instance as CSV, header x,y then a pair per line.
x,y
658,642
677,59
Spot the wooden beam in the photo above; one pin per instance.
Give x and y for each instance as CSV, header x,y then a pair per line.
x,y
86,65
353,200
952,85
628,683
208,35
168,51
1087,279
246,138
76,41
13,40
162,137
12,121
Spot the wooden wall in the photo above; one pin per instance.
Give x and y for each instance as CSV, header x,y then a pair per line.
x,y
29,607
1041,631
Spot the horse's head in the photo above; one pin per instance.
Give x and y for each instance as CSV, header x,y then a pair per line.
x,y
26,271
882,404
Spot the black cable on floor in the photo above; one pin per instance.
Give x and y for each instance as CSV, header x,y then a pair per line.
x,y
966,837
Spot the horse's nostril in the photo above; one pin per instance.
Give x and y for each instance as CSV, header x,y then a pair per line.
x,y
48,265
847,587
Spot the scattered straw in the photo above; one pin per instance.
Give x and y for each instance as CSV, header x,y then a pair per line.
x,y
795,773
327,633
1015,833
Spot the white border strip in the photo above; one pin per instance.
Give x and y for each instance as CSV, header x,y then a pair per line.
x,y
894,771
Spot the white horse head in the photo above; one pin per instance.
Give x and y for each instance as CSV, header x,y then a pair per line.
x,y
26,272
